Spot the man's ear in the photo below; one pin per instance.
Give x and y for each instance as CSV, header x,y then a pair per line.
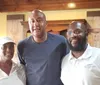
x,y
66,34
88,31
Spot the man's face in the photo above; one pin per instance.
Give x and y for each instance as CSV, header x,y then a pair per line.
x,y
76,35
37,23
8,50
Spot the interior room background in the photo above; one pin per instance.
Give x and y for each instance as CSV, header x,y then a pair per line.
x,y
15,29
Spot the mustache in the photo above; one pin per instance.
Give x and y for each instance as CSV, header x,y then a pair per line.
x,y
36,28
78,38
80,44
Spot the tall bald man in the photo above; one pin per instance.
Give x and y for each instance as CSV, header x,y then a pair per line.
x,y
42,52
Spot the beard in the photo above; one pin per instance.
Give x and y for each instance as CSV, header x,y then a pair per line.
x,y
81,45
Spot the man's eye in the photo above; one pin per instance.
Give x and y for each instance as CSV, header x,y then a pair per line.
x,y
69,32
32,20
39,20
77,31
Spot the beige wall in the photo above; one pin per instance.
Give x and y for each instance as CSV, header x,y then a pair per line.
x,y
51,15
2,24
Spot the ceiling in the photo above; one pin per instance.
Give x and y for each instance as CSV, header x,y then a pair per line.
x,y
28,5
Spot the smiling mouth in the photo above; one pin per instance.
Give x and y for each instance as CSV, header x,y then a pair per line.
x,y
37,30
9,53
74,41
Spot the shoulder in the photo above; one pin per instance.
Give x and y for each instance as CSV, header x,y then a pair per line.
x,y
96,56
65,59
16,65
96,50
56,37
19,66
20,69
22,42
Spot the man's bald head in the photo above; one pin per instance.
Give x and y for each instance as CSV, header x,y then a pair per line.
x,y
37,12
79,25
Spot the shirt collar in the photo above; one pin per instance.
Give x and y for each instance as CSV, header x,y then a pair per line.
x,y
85,55
4,75
14,66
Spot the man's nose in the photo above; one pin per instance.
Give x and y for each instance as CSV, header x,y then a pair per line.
x,y
36,23
8,49
75,34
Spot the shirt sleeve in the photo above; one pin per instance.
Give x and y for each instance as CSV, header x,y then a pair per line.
x,y
20,50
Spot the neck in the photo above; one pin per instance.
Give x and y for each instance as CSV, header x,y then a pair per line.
x,y
40,39
5,63
6,66
77,54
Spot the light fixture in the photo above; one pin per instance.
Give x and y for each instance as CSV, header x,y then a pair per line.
x,y
71,5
